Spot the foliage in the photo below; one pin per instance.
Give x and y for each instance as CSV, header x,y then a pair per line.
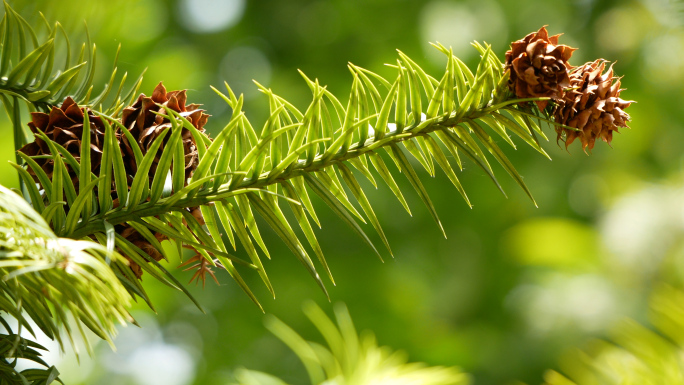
x,y
47,280
324,148
349,359
242,171
635,354
13,348
50,277
29,73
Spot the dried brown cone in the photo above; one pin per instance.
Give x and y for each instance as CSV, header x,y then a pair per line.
x,y
145,125
591,104
538,67
64,125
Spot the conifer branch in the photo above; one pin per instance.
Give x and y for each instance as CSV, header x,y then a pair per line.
x,y
15,347
31,72
130,172
46,278
297,153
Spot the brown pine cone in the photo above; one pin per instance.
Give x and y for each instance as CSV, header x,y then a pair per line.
x,y
145,126
591,104
142,122
64,125
538,66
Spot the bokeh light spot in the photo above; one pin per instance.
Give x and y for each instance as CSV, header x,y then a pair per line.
x,y
566,302
458,24
205,16
162,364
641,226
535,242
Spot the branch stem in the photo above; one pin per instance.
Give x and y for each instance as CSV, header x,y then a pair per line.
x,y
446,121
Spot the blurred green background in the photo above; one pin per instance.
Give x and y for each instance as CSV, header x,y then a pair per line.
x,y
513,287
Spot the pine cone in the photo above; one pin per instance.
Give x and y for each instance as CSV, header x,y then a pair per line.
x,y
64,125
592,104
145,126
142,122
538,66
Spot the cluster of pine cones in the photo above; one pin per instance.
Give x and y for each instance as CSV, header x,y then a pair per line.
x,y
144,120
585,98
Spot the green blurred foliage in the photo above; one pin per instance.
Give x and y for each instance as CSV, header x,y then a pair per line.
x,y
513,287
636,354
348,358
